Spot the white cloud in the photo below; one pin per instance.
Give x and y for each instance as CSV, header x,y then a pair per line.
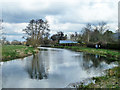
x,y
14,27
14,37
113,26
13,31
55,25
63,15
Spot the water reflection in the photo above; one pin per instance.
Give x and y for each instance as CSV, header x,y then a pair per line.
x,y
37,68
52,68
91,61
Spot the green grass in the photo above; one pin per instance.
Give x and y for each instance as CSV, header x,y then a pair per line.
x,y
15,51
112,54
111,80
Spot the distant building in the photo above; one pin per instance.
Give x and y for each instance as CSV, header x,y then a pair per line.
x,y
66,42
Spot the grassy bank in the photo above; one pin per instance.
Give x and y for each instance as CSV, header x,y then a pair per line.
x,y
112,78
10,52
112,54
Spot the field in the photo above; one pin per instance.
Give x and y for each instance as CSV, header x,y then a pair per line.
x,y
10,52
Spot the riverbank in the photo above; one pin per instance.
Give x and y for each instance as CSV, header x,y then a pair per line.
x,y
112,77
110,80
111,54
10,52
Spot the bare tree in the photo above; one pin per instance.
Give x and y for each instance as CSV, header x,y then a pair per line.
x,y
3,40
0,30
2,34
97,33
86,35
36,31
75,36
100,29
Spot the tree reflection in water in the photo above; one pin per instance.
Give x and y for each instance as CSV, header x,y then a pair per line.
x,y
93,61
37,69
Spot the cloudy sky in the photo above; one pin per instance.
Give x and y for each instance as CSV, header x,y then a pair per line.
x,y
63,15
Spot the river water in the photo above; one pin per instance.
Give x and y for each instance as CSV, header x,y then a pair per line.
x,y
52,68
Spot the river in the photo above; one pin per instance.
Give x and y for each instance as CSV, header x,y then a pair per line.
x,y
52,68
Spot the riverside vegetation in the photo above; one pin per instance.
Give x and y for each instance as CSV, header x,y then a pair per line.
x,y
112,77
10,52
111,54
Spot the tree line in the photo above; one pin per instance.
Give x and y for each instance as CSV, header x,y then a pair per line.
x,y
94,33
37,33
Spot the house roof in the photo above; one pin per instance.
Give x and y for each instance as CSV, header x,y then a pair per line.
x,y
66,41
